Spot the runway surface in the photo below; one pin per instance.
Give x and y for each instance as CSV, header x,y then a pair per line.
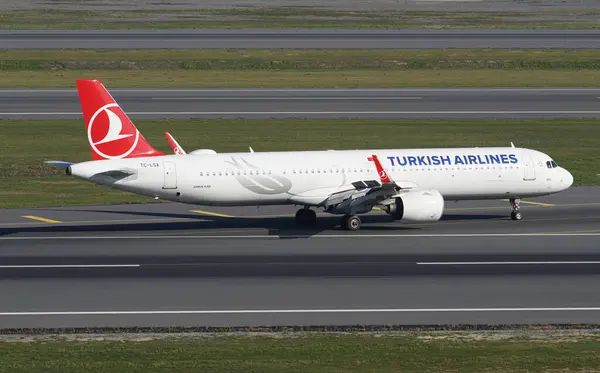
x,y
312,103
170,264
298,39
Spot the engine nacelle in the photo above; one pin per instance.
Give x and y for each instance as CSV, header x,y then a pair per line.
x,y
417,205
203,151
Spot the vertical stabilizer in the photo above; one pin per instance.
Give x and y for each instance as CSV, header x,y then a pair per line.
x,y
111,134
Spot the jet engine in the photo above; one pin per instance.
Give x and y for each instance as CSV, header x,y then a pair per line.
x,y
417,205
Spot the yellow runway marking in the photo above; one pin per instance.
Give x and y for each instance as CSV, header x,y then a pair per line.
x,y
202,212
100,221
538,203
42,219
534,203
251,216
215,214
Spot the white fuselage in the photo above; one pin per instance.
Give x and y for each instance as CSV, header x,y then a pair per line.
x,y
309,177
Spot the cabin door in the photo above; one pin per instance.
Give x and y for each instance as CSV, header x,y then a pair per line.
x,y
529,168
170,176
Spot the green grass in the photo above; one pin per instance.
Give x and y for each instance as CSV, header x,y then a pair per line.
x,y
292,18
302,68
298,59
415,78
26,182
403,352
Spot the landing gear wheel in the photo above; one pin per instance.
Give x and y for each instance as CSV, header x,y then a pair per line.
x,y
306,217
351,223
515,214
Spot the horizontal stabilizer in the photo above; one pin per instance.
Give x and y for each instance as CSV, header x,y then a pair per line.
x,y
116,174
60,164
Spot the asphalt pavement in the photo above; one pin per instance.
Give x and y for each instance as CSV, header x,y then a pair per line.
x,y
171,264
298,39
313,103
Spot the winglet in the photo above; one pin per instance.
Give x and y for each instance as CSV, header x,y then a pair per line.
x,y
177,149
383,176
512,145
251,150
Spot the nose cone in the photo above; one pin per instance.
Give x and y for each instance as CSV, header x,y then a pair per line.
x,y
567,179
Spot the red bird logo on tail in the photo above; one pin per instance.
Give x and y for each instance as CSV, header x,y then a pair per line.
x,y
111,134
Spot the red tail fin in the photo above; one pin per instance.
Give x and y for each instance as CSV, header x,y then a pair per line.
x,y
111,133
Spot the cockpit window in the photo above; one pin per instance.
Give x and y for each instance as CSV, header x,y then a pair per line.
x,y
551,164
554,164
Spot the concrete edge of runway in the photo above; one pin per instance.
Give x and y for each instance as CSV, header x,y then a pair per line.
x,y
373,328
312,31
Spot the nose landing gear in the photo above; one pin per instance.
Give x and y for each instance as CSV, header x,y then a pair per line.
x,y
516,213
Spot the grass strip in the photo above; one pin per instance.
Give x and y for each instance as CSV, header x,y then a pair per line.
x,y
414,78
308,353
328,59
302,68
292,18
27,182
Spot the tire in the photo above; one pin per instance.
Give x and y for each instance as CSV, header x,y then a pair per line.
x,y
353,223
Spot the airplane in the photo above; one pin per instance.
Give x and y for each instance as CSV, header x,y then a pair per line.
x,y
411,185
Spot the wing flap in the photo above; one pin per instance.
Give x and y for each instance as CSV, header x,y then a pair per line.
x,y
362,195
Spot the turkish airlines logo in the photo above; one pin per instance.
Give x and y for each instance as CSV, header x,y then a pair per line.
x,y
106,137
382,174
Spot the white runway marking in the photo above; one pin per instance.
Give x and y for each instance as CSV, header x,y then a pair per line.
x,y
377,98
72,266
405,236
461,112
281,311
188,90
507,263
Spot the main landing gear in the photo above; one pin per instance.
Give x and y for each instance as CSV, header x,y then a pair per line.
x,y
306,217
515,214
351,223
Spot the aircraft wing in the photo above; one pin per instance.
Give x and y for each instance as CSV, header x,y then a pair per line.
x,y
363,194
